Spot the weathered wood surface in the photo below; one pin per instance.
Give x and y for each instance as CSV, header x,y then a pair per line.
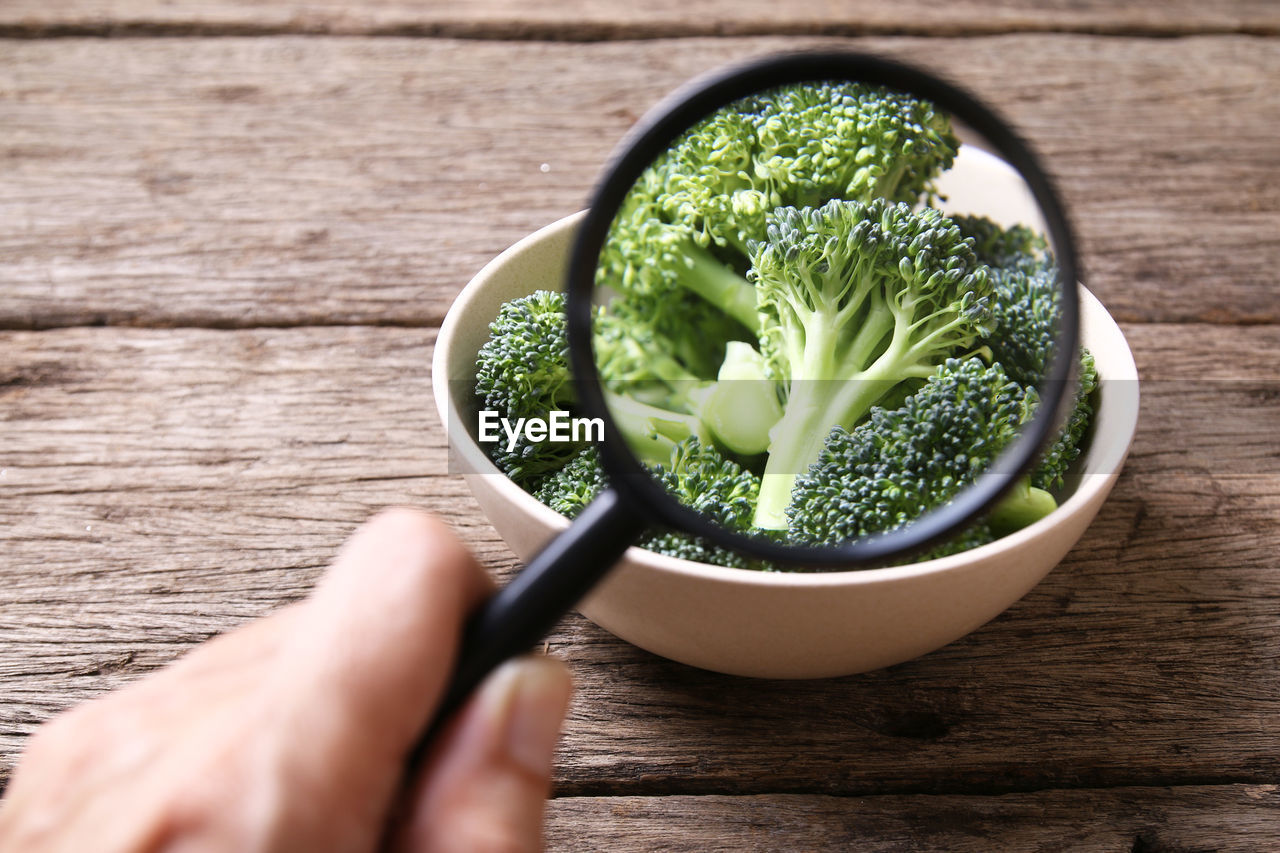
x,y
160,486
289,181
609,19
1227,819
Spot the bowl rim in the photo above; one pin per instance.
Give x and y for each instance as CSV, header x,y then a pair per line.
x,y
1089,487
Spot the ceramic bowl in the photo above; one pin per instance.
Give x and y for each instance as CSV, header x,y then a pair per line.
x,y
777,625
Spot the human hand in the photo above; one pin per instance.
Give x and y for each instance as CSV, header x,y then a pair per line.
x,y
290,733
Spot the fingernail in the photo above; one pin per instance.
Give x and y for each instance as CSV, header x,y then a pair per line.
x,y
527,706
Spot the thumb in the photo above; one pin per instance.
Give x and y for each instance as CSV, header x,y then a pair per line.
x,y
484,786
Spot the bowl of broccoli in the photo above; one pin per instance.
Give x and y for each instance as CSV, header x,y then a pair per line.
x,y
750,271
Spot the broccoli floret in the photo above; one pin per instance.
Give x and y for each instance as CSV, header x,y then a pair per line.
x,y
1025,301
856,298
1027,310
696,475
634,358
1015,247
683,329
718,488
569,490
673,543
706,482
648,257
689,220
1052,469
522,371
801,146
736,409
901,463
1026,306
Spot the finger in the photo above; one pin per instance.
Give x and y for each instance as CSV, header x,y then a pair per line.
x,y
66,753
251,645
368,657
485,785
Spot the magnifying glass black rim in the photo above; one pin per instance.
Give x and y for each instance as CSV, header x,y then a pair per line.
x,y
664,125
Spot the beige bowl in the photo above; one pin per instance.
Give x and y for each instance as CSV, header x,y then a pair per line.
x,y
776,625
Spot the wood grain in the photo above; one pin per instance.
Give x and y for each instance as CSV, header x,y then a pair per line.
x,y
608,19
1143,820
161,486
315,203
293,181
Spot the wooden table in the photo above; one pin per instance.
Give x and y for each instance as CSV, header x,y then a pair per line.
x,y
230,231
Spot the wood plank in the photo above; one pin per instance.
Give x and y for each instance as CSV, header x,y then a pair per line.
x,y
1143,820
605,19
160,486
287,181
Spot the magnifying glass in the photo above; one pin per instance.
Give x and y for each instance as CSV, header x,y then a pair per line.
x,y
823,309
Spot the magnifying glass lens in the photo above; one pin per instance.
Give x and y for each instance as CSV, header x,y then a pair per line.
x,y
825,312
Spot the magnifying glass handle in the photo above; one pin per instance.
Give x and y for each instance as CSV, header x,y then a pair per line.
x,y
524,611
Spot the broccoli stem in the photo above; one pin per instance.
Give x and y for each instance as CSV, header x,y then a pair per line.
x,y
821,399
651,432
667,369
742,406
675,389
1024,505
814,408
704,275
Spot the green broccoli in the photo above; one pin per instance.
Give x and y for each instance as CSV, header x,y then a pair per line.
x,y
1026,314
569,490
1000,247
652,326
857,298
1026,306
668,401
522,371
704,481
801,146
901,463
646,257
696,475
1050,473
689,220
